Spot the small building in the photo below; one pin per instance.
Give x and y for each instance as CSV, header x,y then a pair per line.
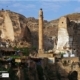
x,y
7,51
69,55
18,60
51,60
70,59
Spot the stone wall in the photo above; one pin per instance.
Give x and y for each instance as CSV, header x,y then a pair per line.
x,y
63,35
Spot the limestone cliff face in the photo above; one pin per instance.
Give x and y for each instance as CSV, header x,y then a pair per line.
x,y
13,27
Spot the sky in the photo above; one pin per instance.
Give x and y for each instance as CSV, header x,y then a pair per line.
x,y
52,9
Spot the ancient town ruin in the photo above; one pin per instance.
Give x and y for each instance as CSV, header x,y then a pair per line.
x,y
58,64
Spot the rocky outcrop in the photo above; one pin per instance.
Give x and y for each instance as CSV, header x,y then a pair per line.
x,y
51,31
9,33
13,27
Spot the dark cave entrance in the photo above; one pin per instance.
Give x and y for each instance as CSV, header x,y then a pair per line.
x,y
73,75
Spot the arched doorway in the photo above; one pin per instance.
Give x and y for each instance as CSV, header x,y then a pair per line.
x,y
73,75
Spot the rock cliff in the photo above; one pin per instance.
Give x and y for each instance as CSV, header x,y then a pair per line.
x,y
51,30
13,28
22,31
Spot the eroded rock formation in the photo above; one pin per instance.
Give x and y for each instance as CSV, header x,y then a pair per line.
x,y
13,27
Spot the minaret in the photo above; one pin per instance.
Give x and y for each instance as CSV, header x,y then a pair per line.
x,y
40,48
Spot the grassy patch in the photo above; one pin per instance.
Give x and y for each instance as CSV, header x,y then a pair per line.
x,y
24,50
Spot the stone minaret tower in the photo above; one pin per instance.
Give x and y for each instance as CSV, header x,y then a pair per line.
x,y
40,49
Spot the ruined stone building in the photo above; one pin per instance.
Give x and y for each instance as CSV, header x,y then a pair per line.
x,y
68,37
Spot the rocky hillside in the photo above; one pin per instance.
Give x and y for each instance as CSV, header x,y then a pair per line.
x,y
74,16
21,30
13,28
50,29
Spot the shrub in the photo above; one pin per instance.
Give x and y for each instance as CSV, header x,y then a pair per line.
x,y
24,50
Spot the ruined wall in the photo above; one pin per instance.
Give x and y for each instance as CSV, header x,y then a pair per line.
x,y
63,35
71,65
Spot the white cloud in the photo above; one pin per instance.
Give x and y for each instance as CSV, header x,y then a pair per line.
x,y
17,5
53,0
4,2
40,0
77,9
78,0
20,10
23,6
54,5
50,6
